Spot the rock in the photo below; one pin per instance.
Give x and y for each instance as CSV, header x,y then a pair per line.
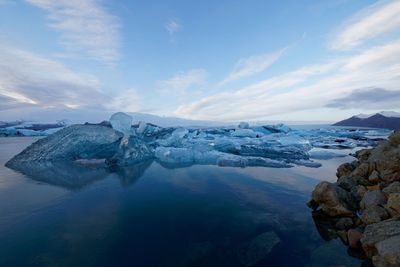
x,y
373,198
363,154
382,242
358,192
392,188
373,187
362,170
346,183
343,236
334,200
374,214
393,204
354,237
374,177
388,253
394,138
243,125
344,223
121,122
344,170
258,248
69,144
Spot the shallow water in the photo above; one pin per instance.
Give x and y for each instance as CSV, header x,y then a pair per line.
x,y
148,215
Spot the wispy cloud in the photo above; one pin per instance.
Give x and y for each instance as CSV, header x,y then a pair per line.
x,y
369,23
182,81
173,26
309,87
128,101
370,98
85,26
33,80
249,66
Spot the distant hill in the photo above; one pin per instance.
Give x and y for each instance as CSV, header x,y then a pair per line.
x,y
384,120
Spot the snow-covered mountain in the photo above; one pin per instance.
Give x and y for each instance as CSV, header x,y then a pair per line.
x,y
383,113
385,119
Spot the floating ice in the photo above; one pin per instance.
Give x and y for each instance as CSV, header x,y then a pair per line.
x,y
324,154
121,122
269,146
245,133
143,128
243,125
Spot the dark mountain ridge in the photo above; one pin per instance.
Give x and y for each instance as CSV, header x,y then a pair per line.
x,y
374,121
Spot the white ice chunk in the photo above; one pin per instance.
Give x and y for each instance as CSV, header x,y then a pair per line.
x,y
324,154
261,129
243,125
121,122
175,155
143,128
245,133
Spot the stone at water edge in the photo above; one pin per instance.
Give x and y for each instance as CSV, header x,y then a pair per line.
x,y
121,122
334,200
354,237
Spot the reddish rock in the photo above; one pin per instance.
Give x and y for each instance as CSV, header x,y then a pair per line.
x,y
354,237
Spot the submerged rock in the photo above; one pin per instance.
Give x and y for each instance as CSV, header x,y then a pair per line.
x,y
257,248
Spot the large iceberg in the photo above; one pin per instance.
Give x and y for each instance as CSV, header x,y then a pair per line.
x,y
242,146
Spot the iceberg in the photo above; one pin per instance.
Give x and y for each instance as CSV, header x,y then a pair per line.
x,y
276,146
121,122
243,125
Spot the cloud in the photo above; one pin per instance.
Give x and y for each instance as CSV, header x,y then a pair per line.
x,y
182,81
249,66
85,26
32,80
173,26
310,87
129,101
368,98
369,23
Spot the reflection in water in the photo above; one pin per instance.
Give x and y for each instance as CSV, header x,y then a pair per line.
x,y
72,175
195,216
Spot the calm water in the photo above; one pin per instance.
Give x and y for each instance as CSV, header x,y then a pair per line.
x,y
148,215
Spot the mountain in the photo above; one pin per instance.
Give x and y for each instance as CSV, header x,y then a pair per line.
x,y
384,119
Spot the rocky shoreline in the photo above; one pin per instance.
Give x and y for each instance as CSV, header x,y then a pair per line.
x,y
363,207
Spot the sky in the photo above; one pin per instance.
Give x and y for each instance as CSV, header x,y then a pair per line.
x,y
254,60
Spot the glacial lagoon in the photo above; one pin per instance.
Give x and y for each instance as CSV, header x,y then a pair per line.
x,y
150,214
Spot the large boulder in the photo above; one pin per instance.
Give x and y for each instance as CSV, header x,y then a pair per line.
x,y
334,200
381,242
121,122
69,144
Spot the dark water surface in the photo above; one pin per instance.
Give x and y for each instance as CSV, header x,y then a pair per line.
x,y
148,215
